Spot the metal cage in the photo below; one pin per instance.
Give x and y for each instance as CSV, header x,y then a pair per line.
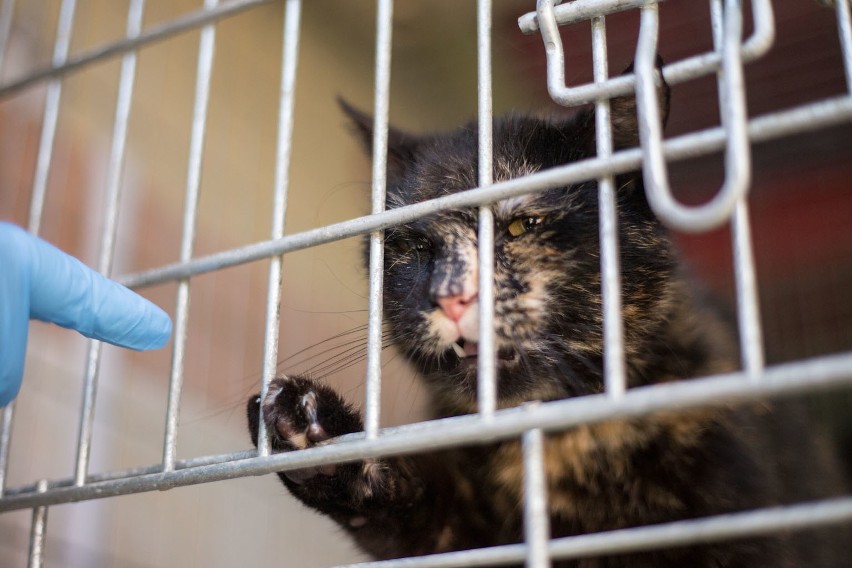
x,y
733,138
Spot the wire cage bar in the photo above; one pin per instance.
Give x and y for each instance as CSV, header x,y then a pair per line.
x,y
282,164
486,363
108,235
193,187
384,22
529,423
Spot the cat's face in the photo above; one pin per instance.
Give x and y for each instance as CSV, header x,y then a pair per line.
x,y
547,311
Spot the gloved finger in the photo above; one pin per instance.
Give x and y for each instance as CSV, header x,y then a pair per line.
x,y
14,310
65,291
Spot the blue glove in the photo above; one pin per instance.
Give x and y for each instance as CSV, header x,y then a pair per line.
x,y
38,281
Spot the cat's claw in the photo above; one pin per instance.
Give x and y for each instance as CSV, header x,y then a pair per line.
x,y
300,413
315,432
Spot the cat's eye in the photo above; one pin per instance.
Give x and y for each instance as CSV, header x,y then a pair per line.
x,y
524,225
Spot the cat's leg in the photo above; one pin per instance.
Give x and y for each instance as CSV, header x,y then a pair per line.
x,y
384,503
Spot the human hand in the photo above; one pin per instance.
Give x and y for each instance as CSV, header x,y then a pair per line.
x,y
38,281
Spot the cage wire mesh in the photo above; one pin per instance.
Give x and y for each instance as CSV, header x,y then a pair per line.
x,y
724,62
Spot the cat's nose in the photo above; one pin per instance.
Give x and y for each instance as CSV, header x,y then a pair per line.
x,y
454,307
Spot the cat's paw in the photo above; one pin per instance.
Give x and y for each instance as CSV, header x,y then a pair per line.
x,y
300,413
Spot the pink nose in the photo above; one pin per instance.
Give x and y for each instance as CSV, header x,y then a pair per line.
x,y
454,307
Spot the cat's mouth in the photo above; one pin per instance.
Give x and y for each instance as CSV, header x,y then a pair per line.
x,y
469,350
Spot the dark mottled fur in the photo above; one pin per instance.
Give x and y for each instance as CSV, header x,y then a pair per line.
x,y
548,324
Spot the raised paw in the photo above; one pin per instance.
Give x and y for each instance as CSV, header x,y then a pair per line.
x,y
300,413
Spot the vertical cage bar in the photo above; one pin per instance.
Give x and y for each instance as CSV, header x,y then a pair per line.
x,y
6,11
486,361
384,29
536,520
5,443
193,184
748,307
51,115
37,531
286,105
718,31
108,234
844,28
48,134
613,327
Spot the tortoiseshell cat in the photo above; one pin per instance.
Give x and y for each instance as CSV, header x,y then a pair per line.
x,y
548,322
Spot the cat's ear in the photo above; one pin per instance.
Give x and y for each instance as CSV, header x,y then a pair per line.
x,y
625,126
401,145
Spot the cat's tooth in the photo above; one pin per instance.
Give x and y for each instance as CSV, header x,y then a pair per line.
x,y
459,350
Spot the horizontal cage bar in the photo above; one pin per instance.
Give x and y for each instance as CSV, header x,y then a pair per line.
x,y
810,375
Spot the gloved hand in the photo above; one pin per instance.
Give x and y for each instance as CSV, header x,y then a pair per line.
x,y
38,281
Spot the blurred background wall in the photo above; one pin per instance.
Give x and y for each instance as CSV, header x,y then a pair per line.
x,y
801,208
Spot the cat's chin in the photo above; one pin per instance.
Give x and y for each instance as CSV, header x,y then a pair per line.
x,y
468,353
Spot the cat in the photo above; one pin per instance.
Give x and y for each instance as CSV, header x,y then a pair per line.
x,y
548,324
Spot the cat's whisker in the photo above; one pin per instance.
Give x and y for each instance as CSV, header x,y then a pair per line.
x,y
357,329
329,368
348,357
356,350
334,368
325,354
359,341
